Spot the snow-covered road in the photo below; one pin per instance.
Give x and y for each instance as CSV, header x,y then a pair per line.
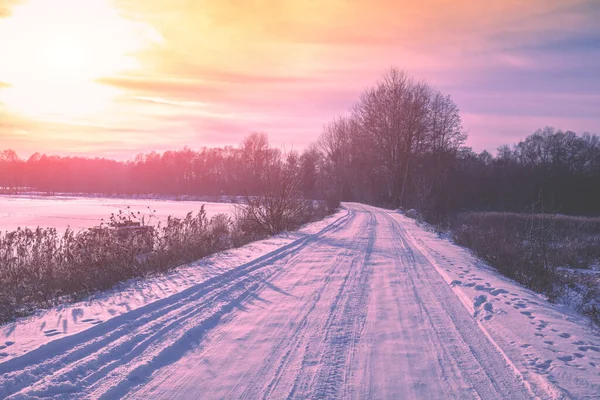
x,y
369,307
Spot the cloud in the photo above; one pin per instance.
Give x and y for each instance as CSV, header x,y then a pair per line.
x,y
223,69
6,7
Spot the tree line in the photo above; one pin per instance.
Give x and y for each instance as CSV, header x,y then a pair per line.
x,y
208,171
402,144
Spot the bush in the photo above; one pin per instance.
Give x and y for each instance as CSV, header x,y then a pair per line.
x,y
593,313
332,200
278,203
39,268
260,218
412,213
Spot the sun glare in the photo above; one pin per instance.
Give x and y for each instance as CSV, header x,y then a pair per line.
x,y
65,55
52,53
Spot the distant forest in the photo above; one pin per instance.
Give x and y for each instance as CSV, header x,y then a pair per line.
x,y
401,145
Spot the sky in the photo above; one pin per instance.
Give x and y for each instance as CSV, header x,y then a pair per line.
x,y
114,78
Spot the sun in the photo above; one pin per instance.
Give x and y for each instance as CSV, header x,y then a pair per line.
x,y
53,52
66,55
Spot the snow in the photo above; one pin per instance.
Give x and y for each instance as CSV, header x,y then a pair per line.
x,y
365,304
551,346
32,332
86,212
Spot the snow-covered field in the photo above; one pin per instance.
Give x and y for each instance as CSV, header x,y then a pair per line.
x,y
364,305
86,212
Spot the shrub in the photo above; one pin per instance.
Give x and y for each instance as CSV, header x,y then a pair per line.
x,y
39,268
332,200
412,213
593,313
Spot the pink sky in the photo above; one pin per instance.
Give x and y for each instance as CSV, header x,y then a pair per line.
x,y
115,78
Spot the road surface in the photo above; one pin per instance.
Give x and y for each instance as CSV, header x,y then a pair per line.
x,y
357,311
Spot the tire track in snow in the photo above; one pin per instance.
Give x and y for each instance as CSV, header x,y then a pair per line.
x,y
302,335
142,337
454,332
328,346
348,317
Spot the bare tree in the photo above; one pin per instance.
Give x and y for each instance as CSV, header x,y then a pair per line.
x,y
336,145
445,131
256,156
393,116
277,204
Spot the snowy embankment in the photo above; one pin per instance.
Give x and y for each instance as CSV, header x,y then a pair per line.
x,y
548,343
26,334
365,305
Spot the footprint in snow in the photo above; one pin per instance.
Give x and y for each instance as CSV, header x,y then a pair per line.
x,y
564,335
479,300
543,366
487,307
6,344
592,348
527,314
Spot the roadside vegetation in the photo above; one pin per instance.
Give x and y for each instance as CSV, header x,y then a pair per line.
x,y
42,267
556,255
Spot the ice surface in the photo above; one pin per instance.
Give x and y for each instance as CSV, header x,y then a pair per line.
x,y
86,212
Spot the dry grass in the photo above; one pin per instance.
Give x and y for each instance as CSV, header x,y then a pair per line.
x,y
570,241
541,251
40,268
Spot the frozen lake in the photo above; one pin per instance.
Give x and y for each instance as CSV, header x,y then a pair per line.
x,y
86,212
